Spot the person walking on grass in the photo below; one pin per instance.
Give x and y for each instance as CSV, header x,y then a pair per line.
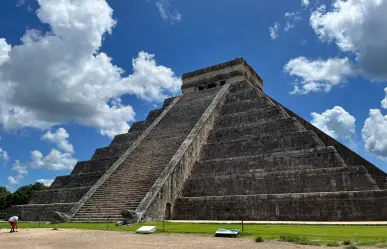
x,y
13,222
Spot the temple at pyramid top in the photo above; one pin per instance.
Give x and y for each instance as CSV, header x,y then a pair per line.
x,y
220,74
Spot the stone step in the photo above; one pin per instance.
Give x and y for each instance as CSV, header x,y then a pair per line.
x,y
96,220
252,116
93,166
239,86
243,95
126,138
261,144
62,195
140,126
353,178
115,214
113,151
118,195
246,105
154,114
320,157
319,206
74,181
271,126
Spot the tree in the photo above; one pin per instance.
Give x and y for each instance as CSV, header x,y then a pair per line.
x,y
3,197
21,196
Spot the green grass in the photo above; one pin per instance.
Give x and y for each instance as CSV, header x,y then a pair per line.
x,y
303,234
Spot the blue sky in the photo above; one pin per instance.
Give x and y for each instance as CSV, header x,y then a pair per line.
x,y
73,73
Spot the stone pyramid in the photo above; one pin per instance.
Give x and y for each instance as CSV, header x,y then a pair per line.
x,y
223,150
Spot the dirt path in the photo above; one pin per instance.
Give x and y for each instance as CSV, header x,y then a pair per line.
x,y
85,239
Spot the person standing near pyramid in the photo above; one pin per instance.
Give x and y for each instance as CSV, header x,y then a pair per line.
x,y
13,222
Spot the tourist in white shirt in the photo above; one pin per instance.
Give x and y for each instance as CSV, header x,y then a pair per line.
x,y
13,221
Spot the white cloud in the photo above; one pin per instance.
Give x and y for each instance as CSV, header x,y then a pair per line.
x,y
60,138
46,182
358,27
164,8
374,134
305,3
21,171
384,101
55,160
12,180
274,31
336,122
5,48
292,18
4,156
67,60
318,75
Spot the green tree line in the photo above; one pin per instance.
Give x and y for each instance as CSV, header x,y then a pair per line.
x,y
20,197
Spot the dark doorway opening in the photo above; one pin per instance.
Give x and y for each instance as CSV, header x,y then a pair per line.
x,y
168,211
211,85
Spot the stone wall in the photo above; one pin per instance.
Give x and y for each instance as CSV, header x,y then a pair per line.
x,y
63,195
75,181
93,166
228,72
292,181
350,157
324,157
323,206
37,212
263,144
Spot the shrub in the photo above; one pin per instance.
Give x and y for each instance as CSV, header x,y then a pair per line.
x,y
333,244
347,242
297,240
259,239
351,247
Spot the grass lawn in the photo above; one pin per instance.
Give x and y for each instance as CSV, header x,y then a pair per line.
x,y
319,234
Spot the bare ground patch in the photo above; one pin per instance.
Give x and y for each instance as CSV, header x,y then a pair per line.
x,y
85,239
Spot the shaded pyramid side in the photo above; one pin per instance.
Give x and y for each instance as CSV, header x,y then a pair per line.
x,y
260,163
67,190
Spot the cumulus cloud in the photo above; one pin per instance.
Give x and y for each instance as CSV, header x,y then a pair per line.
x,y
5,48
55,160
318,75
384,101
358,27
374,134
61,76
291,19
274,31
305,3
60,158
336,122
4,156
60,138
21,171
164,7
46,182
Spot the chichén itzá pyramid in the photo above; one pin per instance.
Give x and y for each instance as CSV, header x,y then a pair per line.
x,y
223,150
